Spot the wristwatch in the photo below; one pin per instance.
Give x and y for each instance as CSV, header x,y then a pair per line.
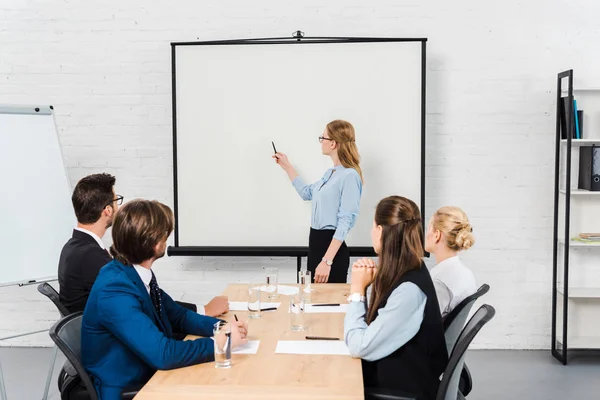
x,y
356,298
328,262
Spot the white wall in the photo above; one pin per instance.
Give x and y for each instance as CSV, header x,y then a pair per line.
x,y
105,66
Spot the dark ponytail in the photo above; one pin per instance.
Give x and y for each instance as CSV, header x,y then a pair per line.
x,y
401,247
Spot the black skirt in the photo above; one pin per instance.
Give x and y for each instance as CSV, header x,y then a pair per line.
x,y
318,243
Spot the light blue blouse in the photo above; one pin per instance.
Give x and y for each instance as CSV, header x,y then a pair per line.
x,y
396,323
335,200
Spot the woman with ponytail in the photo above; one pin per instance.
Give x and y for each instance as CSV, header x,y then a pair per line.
x,y
393,321
448,233
335,202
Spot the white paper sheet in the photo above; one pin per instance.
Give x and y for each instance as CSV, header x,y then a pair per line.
x,y
243,305
322,347
282,289
249,348
309,308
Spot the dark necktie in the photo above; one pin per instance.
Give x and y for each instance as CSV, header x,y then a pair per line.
x,y
155,295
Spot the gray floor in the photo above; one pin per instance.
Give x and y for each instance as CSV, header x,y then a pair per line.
x,y
496,375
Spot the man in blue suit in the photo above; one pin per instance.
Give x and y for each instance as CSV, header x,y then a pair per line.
x,y
128,321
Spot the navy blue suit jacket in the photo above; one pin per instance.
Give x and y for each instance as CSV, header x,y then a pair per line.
x,y
123,340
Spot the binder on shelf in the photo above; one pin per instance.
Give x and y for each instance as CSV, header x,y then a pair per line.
x,y
589,168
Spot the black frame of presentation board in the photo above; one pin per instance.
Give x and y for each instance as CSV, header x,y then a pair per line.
x,y
281,251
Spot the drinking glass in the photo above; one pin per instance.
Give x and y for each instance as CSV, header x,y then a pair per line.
x,y
272,276
253,301
222,339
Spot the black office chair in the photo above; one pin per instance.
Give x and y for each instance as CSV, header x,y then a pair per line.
x,y
448,389
66,333
47,290
453,326
189,306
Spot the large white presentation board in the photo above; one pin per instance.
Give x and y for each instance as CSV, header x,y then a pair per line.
x,y
231,99
37,216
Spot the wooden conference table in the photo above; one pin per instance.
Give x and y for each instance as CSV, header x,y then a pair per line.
x,y
266,375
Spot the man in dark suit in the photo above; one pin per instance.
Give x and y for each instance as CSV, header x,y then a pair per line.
x,y
95,204
128,323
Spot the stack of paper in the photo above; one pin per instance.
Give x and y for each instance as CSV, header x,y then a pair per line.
x,y
588,238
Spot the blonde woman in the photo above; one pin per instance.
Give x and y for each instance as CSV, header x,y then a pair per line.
x,y
335,202
449,232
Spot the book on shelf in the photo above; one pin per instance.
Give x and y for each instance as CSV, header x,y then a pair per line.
x,y
589,235
587,238
573,115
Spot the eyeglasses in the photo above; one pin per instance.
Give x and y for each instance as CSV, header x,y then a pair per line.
x,y
119,200
321,138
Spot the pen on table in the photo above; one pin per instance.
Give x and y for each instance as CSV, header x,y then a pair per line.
x,y
269,309
321,338
325,305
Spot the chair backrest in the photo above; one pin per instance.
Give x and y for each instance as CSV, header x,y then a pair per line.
x,y
455,320
47,290
66,333
448,389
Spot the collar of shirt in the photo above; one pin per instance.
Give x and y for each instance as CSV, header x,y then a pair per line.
x,y
447,263
337,168
92,234
145,275
330,171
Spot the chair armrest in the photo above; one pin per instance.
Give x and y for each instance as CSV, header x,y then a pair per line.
x,y
465,384
129,392
188,306
387,394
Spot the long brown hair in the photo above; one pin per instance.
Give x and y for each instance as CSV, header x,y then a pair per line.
x,y
138,227
342,132
401,247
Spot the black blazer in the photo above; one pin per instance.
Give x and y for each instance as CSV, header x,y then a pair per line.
x,y
80,261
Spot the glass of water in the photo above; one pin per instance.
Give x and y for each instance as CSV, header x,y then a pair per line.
x,y
222,339
253,301
271,275
297,312
304,281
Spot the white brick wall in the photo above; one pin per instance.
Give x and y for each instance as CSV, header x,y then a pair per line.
x,y
105,66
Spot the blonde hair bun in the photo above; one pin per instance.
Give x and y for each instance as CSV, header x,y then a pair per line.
x,y
464,238
454,223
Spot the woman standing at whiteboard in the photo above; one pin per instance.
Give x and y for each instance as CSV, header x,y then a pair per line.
x,y
335,202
